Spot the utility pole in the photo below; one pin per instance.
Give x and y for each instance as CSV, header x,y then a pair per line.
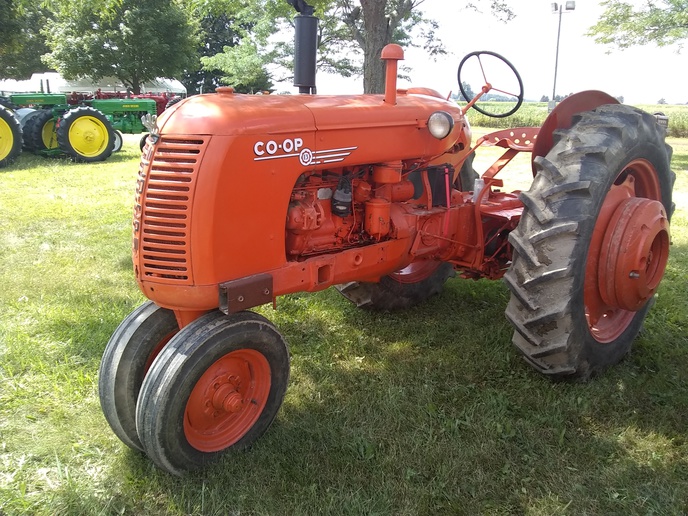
x,y
558,8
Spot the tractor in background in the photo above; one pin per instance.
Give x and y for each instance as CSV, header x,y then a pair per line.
x,y
241,199
50,126
86,127
125,115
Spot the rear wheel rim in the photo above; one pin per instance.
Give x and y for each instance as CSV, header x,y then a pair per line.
x,y
88,136
616,285
6,139
227,400
48,135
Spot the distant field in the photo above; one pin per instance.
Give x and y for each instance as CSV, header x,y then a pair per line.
x,y
534,113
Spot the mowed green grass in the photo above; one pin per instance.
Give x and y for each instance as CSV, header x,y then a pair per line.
x,y
429,411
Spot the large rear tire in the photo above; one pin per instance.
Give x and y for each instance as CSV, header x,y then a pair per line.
x,y
85,134
592,243
10,137
403,289
217,385
39,131
127,358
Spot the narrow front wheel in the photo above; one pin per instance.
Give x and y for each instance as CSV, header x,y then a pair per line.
x,y
127,358
217,385
118,141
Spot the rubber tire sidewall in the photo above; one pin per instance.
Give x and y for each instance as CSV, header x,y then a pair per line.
x,y
597,356
8,118
389,294
123,366
171,379
118,141
553,238
34,130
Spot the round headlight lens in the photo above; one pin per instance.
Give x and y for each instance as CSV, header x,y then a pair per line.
x,y
440,124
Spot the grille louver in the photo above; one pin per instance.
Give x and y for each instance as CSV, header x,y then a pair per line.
x,y
166,209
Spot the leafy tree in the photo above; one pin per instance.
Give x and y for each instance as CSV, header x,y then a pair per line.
x,y
662,101
620,98
544,98
622,24
469,91
132,40
21,41
352,35
379,22
223,25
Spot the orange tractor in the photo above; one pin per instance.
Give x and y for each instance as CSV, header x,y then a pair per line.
x,y
241,199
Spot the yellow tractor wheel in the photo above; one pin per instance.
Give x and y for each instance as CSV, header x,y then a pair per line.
x,y
10,137
85,134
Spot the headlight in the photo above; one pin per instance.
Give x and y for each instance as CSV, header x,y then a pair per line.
x,y
440,124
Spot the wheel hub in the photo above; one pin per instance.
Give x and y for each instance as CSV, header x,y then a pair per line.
x,y
634,253
628,251
227,398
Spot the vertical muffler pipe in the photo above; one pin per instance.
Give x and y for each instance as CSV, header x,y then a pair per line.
x,y
305,47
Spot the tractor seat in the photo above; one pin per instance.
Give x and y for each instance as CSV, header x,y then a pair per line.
x,y
520,139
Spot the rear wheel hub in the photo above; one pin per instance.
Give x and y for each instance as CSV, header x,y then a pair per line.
x,y
634,253
628,252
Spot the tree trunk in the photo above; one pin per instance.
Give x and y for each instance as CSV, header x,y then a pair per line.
x,y
377,35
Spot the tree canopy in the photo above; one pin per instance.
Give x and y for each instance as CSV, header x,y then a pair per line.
x,y
352,35
21,41
623,24
128,39
245,43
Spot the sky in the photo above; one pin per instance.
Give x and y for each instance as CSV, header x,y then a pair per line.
x,y
642,75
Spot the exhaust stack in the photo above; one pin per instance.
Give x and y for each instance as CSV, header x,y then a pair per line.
x,y
305,47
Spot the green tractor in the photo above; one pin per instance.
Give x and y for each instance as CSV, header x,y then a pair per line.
x,y
53,127
125,115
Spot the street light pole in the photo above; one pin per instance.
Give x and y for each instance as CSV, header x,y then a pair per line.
x,y
569,6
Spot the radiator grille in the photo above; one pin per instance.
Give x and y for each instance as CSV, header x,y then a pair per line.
x,y
164,253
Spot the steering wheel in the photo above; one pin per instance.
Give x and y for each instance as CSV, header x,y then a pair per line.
x,y
519,97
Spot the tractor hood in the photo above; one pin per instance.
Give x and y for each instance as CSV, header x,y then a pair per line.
x,y
321,129
231,114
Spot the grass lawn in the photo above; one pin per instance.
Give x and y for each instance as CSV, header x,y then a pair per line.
x,y
429,411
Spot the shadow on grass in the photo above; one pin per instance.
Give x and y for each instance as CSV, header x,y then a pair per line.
x,y
432,411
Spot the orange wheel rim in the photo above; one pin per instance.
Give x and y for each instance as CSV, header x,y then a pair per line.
x,y
628,252
227,400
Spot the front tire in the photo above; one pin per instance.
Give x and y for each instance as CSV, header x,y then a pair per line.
x,y
118,141
592,243
217,385
403,289
85,135
10,137
127,358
